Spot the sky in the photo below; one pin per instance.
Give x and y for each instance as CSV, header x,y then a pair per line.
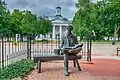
x,y
44,7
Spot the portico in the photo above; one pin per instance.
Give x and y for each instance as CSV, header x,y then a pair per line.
x,y
59,23
59,29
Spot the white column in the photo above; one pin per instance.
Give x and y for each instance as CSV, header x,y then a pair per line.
x,y
60,31
53,34
16,37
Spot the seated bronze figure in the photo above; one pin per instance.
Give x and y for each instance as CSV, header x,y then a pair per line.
x,y
73,50
70,40
68,47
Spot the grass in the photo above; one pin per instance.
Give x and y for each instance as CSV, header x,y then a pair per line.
x,y
102,42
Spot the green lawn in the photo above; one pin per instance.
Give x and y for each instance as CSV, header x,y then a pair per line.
x,y
103,42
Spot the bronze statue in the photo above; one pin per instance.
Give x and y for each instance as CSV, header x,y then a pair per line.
x,y
68,41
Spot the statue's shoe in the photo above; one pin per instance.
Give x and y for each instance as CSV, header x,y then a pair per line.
x,y
66,73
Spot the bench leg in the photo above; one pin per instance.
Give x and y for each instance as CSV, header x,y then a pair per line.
x,y
79,68
117,52
39,66
74,63
66,64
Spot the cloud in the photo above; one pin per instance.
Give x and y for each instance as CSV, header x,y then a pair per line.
x,y
44,7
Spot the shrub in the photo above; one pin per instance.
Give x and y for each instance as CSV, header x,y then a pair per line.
x,y
17,69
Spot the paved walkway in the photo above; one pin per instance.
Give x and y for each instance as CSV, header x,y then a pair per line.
x,y
101,69
106,66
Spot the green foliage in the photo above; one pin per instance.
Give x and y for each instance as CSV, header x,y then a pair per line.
x,y
4,18
22,22
101,17
33,25
17,69
16,21
111,16
44,25
85,18
28,23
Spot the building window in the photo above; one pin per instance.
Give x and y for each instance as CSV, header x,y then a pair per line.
x,y
44,36
50,35
63,30
57,30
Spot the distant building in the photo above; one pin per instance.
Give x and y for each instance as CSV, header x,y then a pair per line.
x,y
59,25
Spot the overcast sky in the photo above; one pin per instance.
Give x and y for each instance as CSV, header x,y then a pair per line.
x,y
44,7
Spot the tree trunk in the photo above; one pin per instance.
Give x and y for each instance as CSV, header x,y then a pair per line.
x,y
108,38
119,35
21,37
81,38
8,39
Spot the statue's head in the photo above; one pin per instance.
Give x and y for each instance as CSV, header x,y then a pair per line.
x,y
69,29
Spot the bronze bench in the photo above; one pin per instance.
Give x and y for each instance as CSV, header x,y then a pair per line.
x,y
40,58
43,58
118,49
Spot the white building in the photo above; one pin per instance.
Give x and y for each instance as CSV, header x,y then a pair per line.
x,y
59,25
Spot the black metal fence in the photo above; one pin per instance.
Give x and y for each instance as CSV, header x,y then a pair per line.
x,y
51,46
13,48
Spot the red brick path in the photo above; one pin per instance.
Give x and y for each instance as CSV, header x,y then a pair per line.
x,y
115,54
102,69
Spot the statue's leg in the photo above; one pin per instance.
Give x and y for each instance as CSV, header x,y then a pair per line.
x,y
66,64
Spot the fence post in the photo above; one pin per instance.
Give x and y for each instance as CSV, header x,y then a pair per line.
x,y
90,47
2,50
30,46
28,50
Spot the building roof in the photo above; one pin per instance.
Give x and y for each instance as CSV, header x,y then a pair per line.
x,y
58,18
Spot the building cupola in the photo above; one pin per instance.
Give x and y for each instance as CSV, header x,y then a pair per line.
x,y
58,10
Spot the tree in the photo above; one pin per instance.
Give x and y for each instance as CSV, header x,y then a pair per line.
x,y
111,16
97,17
22,22
4,19
44,25
16,21
27,26
7,21
85,19
33,26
